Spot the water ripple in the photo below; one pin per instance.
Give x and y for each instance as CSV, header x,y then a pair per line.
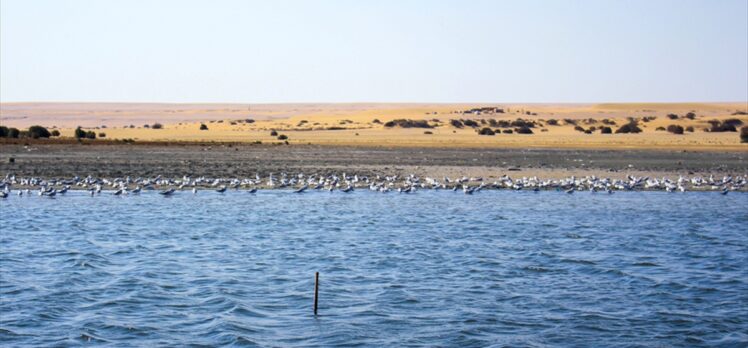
x,y
433,268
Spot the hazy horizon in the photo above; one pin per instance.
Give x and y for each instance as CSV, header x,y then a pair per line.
x,y
294,52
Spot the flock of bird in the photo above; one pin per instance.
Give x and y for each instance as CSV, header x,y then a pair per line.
x,y
300,183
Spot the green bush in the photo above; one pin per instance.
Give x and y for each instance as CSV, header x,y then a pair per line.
x,y
79,133
3,132
631,127
37,132
13,133
524,130
675,129
487,131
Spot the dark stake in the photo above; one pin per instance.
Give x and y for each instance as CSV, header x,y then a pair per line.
x,y
316,290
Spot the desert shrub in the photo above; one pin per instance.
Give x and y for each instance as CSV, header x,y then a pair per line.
x,y
91,135
407,123
718,126
249,120
744,134
3,132
660,129
335,128
552,122
609,122
146,126
483,121
157,126
689,129
739,112
492,122
520,123
504,124
672,116
282,137
606,130
456,123
675,129
507,131
486,131
570,121
592,128
13,132
524,130
377,121
690,116
132,126
203,126
425,132
55,133
578,129
587,131
630,127
649,118
470,123
37,132
733,122
273,133
79,133
102,135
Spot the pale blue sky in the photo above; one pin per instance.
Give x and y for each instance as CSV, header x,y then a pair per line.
x,y
379,51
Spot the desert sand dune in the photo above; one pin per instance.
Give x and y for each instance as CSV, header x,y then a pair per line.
x,y
364,123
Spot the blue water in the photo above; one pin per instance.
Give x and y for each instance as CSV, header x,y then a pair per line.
x,y
436,268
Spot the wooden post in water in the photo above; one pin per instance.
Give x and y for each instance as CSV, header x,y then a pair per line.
x,y
316,290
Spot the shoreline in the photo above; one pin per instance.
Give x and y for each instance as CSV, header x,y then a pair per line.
x,y
497,146
242,161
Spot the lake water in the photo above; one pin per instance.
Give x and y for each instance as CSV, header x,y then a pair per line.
x,y
434,268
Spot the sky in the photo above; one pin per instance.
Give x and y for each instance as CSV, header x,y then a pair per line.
x,y
552,51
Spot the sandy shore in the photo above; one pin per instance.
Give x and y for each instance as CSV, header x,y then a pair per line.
x,y
245,160
355,138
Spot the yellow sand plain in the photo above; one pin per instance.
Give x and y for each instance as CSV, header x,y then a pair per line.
x,y
309,123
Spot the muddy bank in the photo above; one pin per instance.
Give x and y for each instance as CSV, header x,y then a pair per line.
x,y
248,160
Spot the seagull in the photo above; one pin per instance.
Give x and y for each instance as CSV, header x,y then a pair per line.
x,y
253,190
222,189
167,192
